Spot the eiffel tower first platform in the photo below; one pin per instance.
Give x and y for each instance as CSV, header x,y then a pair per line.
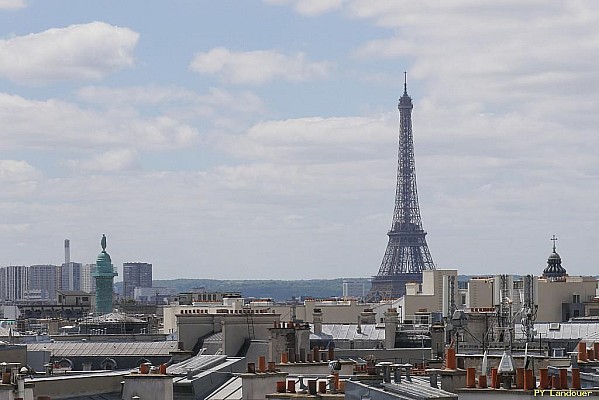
x,y
407,253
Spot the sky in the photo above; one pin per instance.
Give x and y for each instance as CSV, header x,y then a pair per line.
x,y
258,139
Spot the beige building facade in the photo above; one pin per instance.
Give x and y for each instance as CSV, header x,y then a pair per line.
x,y
557,300
433,296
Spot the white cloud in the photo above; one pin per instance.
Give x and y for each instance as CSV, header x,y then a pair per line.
x,y
53,123
310,7
18,178
177,100
236,101
258,67
109,161
12,4
16,171
77,52
489,52
11,229
322,140
296,185
151,94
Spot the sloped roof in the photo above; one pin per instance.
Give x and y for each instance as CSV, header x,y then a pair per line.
x,y
349,332
230,390
76,349
195,364
256,349
419,389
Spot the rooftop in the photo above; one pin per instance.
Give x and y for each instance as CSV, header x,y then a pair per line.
x,y
349,332
74,349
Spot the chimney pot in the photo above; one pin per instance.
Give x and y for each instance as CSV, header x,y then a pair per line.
x,y
482,381
252,368
291,386
322,386
280,386
575,378
262,364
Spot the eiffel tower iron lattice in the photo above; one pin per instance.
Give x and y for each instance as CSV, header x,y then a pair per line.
x,y
407,253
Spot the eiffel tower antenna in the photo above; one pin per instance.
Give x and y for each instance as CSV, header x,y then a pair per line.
x,y
407,253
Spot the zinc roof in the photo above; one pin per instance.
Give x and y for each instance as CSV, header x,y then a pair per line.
x,y
231,390
349,332
77,349
563,330
196,364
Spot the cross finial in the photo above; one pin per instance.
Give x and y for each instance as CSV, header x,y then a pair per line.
x,y
405,82
553,239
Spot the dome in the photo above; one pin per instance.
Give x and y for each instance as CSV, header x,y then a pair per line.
x,y
554,256
103,259
554,267
103,262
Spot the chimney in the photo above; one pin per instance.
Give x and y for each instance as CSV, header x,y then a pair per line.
x,y
391,318
150,386
67,251
368,316
317,320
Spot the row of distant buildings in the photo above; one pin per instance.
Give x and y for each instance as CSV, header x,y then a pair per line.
x,y
41,282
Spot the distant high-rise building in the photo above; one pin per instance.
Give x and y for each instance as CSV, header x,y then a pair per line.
x,y
70,276
88,283
43,280
13,282
104,276
3,283
136,274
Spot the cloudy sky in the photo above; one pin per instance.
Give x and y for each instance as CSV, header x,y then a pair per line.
x,y
258,139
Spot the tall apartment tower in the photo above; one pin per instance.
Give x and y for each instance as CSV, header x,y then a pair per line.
x,y
70,272
73,275
13,282
88,283
104,276
407,253
136,274
45,280
70,276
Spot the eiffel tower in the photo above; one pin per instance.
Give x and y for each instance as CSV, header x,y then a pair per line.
x,y
407,253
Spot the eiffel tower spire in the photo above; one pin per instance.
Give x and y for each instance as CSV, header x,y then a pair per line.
x,y
407,253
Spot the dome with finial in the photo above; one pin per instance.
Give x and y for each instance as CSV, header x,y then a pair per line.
x,y
554,267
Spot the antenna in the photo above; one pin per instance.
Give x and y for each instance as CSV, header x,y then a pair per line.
x,y
405,82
